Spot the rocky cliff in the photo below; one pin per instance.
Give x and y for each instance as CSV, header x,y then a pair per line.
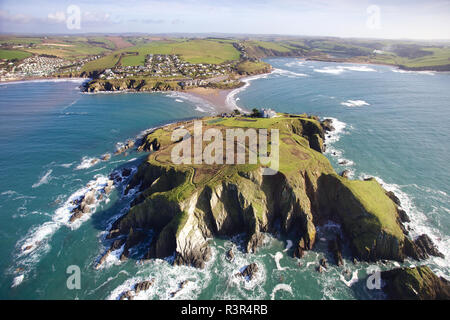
x,y
418,283
185,205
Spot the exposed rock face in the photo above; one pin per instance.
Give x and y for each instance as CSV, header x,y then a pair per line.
x,y
230,255
345,174
134,85
249,271
323,263
418,283
122,148
335,246
187,204
181,285
422,248
143,285
370,222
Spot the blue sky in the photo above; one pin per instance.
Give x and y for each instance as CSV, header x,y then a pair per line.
x,y
345,18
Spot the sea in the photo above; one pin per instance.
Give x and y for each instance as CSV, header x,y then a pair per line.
x,y
389,124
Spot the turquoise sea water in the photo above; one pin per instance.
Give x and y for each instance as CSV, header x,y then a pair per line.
x,y
392,125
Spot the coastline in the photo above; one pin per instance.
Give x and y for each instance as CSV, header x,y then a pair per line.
x,y
215,97
44,79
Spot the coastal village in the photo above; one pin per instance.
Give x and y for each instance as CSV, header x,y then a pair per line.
x,y
40,66
158,66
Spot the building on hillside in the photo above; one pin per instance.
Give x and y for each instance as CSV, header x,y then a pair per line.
x,y
268,113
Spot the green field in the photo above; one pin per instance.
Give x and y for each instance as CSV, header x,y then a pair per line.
x,y
132,50
68,50
102,63
14,54
280,47
192,51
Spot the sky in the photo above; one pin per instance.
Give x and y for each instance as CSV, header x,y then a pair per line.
x,y
393,19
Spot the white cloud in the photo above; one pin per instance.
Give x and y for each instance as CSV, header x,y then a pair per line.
x,y
14,18
57,17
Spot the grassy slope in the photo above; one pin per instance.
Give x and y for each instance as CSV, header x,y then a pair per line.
x,y
364,208
14,54
193,51
106,62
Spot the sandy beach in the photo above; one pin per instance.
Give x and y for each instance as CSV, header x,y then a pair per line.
x,y
215,97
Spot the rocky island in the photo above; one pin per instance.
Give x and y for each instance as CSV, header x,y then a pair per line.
x,y
187,204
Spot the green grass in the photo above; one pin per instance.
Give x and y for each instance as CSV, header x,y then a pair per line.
x,y
269,45
20,40
192,51
371,195
251,67
103,63
439,56
69,49
14,54
133,60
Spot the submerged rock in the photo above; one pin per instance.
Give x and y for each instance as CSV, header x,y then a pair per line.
x,y
418,283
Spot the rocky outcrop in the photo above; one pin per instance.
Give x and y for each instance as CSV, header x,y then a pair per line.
x,y
248,272
130,84
185,205
121,148
418,283
85,203
422,248
138,287
335,247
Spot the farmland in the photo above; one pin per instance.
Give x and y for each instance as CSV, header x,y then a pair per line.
x,y
197,59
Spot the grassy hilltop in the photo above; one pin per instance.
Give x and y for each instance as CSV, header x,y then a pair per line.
x,y
186,204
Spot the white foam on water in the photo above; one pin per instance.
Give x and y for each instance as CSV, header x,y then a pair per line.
x,y
296,63
341,69
419,222
167,280
8,193
278,287
36,241
87,162
113,258
287,73
67,165
278,256
339,130
231,99
355,103
425,72
352,281
17,281
44,179
75,80
200,104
